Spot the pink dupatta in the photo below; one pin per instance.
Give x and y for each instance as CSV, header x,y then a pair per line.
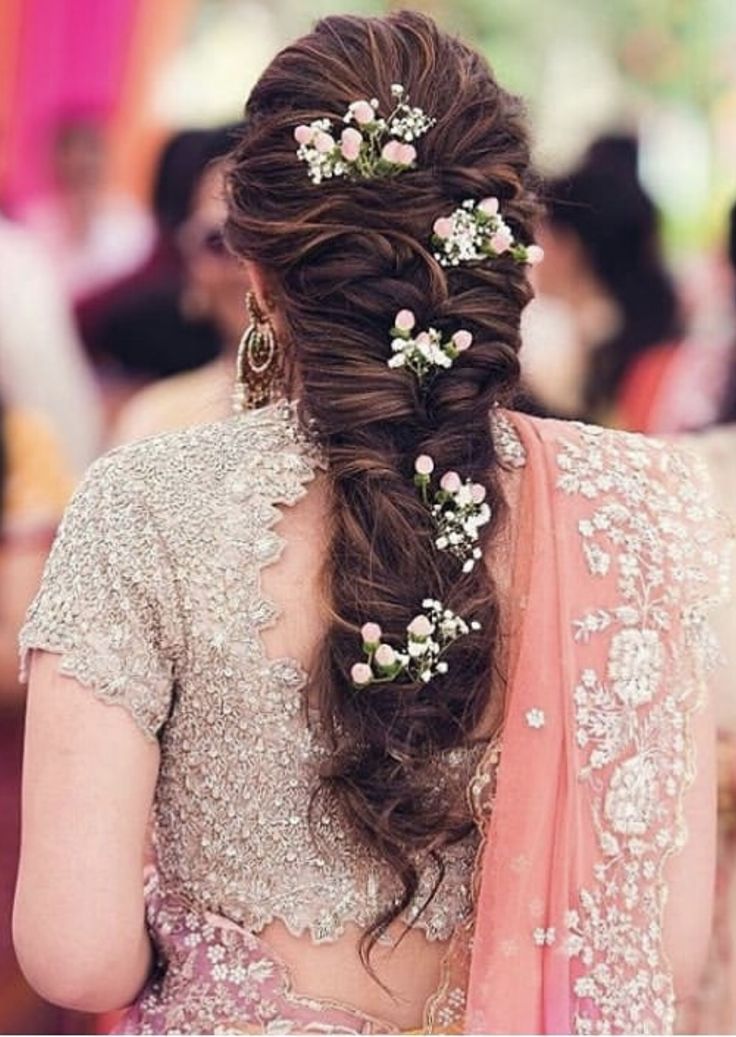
x,y
622,557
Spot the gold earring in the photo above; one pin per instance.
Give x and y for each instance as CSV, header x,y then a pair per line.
x,y
258,367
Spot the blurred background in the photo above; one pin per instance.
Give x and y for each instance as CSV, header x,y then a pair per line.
x,y
120,309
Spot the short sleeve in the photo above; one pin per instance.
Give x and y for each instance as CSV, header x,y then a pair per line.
x,y
107,602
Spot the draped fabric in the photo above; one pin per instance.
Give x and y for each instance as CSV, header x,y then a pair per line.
x,y
624,556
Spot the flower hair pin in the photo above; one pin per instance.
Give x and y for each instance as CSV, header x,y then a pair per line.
x,y
427,350
477,231
369,145
458,508
430,634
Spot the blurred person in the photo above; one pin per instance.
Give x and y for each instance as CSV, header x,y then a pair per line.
x,y
149,325
42,365
92,234
218,283
603,262
35,485
407,773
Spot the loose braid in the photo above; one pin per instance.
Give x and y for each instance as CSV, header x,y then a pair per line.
x,y
342,258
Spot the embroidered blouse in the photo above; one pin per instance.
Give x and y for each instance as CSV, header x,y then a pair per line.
x,y
152,597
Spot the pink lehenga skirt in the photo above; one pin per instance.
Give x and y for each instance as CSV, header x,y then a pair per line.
x,y
215,977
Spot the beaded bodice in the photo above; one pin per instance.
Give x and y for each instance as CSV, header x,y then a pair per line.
x,y
153,598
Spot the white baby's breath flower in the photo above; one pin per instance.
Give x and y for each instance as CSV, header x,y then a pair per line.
x,y
476,231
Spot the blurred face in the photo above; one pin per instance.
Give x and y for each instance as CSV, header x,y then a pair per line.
x,y
564,262
218,279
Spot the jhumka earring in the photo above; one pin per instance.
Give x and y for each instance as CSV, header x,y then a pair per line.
x,y
258,367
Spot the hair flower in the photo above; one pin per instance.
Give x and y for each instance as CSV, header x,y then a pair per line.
x,y
426,350
369,145
458,508
429,635
476,231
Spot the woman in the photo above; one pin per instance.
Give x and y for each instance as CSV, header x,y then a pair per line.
x,y
364,744
217,280
601,240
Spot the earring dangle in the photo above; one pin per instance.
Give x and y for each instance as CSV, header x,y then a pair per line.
x,y
258,368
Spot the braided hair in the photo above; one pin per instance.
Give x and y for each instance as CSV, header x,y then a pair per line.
x,y
342,258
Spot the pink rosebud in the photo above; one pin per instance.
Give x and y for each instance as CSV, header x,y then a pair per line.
x,y
420,627
385,656
361,674
371,633
478,493
405,320
489,206
534,254
391,151
303,134
462,339
443,227
363,112
501,241
450,482
424,465
423,338
350,142
324,142
406,154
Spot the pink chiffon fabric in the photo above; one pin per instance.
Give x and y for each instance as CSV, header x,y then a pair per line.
x,y
625,558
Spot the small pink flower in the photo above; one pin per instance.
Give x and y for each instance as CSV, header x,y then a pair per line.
x,y
423,338
405,320
462,339
450,482
420,627
443,227
385,656
478,493
363,112
371,633
406,154
424,465
324,142
391,151
534,254
361,674
489,206
501,241
350,143
303,134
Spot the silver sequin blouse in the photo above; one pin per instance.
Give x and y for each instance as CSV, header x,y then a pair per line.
x,y
152,597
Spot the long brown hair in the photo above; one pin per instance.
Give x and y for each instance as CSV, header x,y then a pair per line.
x,y
343,257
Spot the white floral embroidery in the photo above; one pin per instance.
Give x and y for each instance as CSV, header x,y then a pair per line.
x,y
650,528
535,718
544,937
635,665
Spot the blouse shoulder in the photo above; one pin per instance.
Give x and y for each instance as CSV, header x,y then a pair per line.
x,y
266,448
110,599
